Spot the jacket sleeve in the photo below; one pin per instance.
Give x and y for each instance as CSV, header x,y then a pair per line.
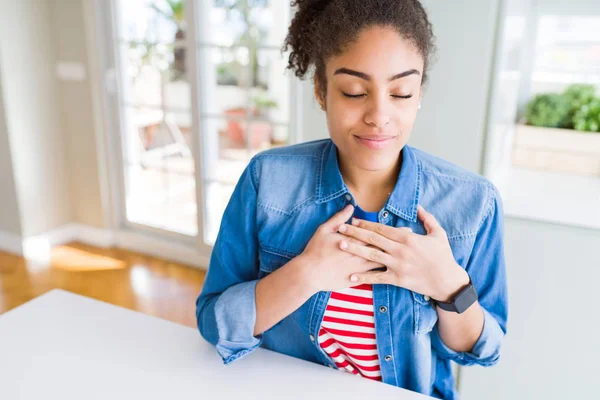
x,y
486,266
226,306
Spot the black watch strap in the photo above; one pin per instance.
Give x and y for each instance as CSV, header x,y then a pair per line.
x,y
462,301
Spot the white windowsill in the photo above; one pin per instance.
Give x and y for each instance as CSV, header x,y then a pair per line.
x,y
558,198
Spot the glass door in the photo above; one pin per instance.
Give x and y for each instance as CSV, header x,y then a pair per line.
x,y
201,87
154,109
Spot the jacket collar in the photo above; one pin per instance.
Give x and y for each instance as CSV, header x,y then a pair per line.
x,y
402,202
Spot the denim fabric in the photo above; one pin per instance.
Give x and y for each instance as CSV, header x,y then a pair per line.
x,y
281,199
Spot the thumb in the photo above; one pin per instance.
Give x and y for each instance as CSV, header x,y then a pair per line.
x,y
429,222
341,217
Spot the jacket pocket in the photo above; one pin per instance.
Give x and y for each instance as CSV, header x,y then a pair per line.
x,y
425,314
271,259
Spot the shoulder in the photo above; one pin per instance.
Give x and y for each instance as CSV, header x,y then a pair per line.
x,y
313,149
285,160
458,198
285,176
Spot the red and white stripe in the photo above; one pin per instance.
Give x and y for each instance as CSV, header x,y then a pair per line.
x,y
347,331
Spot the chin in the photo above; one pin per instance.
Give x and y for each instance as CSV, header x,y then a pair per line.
x,y
374,163
369,159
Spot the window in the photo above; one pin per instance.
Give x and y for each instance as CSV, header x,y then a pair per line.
x,y
567,51
544,48
201,84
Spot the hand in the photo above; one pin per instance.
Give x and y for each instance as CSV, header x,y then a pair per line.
x,y
326,267
420,263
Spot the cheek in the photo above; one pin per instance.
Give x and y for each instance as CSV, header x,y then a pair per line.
x,y
342,118
405,118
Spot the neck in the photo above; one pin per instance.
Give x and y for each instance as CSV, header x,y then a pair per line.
x,y
363,182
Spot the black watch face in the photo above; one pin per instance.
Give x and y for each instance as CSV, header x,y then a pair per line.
x,y
466,299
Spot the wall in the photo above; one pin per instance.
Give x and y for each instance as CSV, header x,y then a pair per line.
x,y
37,143
551,349
77,113
9,210
453,115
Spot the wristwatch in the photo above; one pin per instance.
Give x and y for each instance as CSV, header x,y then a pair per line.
x,y
462,301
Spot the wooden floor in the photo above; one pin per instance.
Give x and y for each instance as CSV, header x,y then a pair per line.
x,y
143,283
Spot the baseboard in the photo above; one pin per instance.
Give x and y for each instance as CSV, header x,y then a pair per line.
x,y
38,247
11,243
95,236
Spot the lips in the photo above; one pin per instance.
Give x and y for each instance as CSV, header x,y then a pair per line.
x,y
375,137
375,141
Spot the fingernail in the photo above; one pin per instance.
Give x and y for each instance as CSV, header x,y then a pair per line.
x,y
354,278
342,228
354,221
344,245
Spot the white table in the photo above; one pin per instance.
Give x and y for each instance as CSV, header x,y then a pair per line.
x,y
65,346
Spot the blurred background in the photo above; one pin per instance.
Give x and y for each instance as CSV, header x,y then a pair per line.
x,y
125,125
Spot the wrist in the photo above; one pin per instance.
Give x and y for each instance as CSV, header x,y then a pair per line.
x,y
460,279
303,274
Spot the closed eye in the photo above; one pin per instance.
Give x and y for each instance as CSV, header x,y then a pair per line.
x,y
357,96
353,96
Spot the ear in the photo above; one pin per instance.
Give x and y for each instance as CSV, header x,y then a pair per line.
x,y
319,93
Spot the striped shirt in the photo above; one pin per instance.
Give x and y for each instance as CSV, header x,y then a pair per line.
x,y
347,332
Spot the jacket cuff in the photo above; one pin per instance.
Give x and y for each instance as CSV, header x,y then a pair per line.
x,y
235,313
486,351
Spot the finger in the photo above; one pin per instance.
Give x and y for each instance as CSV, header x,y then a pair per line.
x,y
368,253
352,240
429,222
372,278
389,232
368,237
339,218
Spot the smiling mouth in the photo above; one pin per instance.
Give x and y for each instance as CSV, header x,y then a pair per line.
x,y
375,138
375,142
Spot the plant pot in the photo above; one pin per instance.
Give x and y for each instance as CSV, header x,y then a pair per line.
x,y
260,132
557,150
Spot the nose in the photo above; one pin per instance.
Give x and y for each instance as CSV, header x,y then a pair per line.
x,y
378,114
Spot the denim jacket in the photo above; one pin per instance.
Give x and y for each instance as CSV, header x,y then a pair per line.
x,y
285,194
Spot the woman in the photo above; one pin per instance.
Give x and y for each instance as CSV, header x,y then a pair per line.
x,y
393,294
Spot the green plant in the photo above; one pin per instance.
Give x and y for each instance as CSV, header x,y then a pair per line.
x,y
577,96
173,13
228,73
566,110
587,118
263,104
548,110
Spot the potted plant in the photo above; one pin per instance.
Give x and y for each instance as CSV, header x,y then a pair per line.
x,y
260,131
262,106
561,132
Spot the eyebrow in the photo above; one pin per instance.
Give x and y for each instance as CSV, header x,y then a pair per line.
x,y
366,77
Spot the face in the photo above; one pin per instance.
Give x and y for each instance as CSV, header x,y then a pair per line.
x,y
372,97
